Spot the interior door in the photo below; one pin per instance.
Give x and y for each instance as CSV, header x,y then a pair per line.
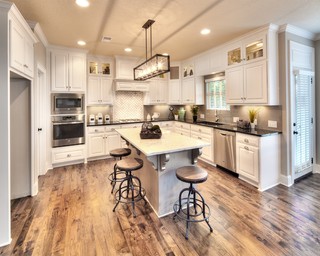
x,y
303,128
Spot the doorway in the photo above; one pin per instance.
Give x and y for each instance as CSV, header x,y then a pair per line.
x,y
302,109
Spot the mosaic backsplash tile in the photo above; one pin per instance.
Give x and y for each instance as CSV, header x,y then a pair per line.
x,y
128,105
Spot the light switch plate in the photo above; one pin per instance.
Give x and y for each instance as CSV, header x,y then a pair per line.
x,y
235,119
272,124
201,115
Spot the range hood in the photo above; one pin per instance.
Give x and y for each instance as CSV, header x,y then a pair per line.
x,y
131,85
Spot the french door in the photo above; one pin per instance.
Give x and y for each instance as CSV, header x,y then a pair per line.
x,y
303,123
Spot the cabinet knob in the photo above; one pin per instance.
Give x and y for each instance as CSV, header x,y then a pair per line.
x,y
246,140
69,155
246,148
199,138
96,130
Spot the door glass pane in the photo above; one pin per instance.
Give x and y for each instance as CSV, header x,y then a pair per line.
x,y
303,126
93,68
254,50
105,68
234,56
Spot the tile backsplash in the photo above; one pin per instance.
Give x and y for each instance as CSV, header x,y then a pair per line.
x,y
128,105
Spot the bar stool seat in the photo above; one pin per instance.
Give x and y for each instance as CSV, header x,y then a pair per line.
x,y
191,208
130,190
117,175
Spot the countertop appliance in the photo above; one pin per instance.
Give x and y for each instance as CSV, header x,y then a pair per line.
x,y
92,119
67,103
99,118
107,119
68,130
225,149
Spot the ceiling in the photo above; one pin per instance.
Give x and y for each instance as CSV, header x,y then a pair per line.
x,y
177,27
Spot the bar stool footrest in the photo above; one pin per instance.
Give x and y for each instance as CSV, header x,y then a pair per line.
x,y
126,195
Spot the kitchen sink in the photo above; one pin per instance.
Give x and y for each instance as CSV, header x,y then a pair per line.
x,y
209,123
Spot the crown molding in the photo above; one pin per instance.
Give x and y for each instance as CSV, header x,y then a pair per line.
x,y
39,32
297,31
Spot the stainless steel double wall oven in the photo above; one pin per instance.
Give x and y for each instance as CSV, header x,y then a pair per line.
x,y
68,119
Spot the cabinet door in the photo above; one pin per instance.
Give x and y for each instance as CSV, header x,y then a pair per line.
x,y
234,54
77,72
254,47
234,85
207,152
16,47
162,91
29,58
255,82
174,92
106,90
59,71
153,92
187,91
248,161
124,69
96,145
112,142
94,92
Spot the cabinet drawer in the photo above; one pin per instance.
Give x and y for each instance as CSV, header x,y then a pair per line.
x,y
66,154
182,125
201,129
111,128
247,139
182,131
96,129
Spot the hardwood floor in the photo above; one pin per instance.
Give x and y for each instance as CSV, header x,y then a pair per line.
x,y
72,215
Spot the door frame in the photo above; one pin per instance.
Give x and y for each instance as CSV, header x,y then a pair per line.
x,y
306,65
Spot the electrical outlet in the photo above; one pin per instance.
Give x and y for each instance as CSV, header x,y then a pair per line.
x,y
201,115
272,124
235,119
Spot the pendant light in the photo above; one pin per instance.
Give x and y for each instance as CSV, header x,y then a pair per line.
x,y
154,66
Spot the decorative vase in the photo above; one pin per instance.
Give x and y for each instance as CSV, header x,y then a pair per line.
x,y
194,119
252,126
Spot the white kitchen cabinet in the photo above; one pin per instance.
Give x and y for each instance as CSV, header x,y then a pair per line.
x,y
210,62
125,66
101,140
99,90
68,155
247,84
192,90
100,66
206,134
168,126
21,50
252,69
174,84
157,94
258,159
132,86
182,128
68,71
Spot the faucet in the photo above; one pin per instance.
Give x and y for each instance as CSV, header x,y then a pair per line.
x,y
217,117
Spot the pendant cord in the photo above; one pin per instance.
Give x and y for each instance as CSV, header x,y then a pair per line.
x,y
150,40
146,44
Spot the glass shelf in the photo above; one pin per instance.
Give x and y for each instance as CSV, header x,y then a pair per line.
x,y
234,56
254,50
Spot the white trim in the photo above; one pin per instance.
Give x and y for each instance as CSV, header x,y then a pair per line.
x,y
57,47
39,32
316,168
297,31
6,243
286,180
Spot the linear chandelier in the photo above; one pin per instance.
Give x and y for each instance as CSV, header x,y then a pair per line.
x,y
154,66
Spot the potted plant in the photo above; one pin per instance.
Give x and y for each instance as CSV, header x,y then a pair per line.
x,y
253,113
195,110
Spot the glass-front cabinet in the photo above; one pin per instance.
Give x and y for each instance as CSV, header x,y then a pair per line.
x,y
99,68
247,50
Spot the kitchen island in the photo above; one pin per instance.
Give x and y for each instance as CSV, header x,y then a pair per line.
x,y
161,159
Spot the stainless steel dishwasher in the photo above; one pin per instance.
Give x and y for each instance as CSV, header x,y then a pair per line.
x,y
225,149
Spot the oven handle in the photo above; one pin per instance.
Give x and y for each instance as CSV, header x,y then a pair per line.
x,y
75,122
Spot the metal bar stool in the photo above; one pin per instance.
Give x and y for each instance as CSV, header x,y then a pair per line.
x,y
192,208
114,176
130,190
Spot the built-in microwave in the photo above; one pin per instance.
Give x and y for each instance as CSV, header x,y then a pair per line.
x,y
67,103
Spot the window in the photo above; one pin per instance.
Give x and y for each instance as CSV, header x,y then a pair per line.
x,y
216,94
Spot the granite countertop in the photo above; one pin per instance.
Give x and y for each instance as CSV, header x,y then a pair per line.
x,y
169,143
220,126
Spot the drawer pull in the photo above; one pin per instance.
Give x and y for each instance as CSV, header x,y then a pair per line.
x,y
246,148
69,155
246,140
96,130
112,129
199,138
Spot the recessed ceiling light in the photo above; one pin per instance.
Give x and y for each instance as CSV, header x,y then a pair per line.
x,y
82,43
205,31
82,3
128,50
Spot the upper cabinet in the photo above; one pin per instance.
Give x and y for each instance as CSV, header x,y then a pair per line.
x,y
158,88
212,61
125,66
252,69
174,85
100,67
68,71
21,47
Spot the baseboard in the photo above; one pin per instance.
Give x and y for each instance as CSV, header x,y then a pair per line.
x,y
6,243
286,180
316,168
16,196
35,189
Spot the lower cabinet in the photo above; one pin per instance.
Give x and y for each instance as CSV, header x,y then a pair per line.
x,y
205,134
258,160
101,140
62,155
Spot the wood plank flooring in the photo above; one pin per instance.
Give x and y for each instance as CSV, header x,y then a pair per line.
x,y
72,215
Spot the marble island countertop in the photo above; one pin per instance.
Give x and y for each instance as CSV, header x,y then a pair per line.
x,y
170,142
